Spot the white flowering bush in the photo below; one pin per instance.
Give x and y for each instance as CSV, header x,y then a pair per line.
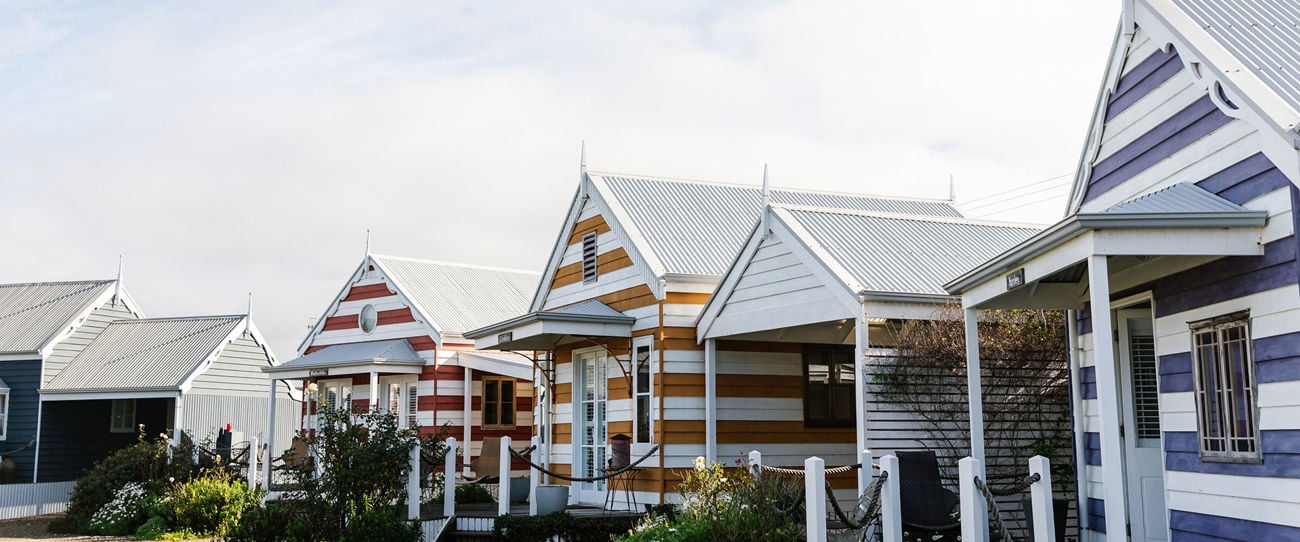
x,y
121,515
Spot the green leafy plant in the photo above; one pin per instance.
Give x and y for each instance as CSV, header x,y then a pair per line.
x,y
145,462
563,525
380,524
728,504
209,505
126,511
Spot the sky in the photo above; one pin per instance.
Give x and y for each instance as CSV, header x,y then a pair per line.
x,y
228,148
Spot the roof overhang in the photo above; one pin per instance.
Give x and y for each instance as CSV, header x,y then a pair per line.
x,y
344,367
505,364
542,330
1070,241
103,394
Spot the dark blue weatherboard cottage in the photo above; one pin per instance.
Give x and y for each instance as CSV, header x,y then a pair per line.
x,y
83,372
1177,256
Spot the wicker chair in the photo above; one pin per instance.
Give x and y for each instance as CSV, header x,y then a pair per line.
x,y
926,505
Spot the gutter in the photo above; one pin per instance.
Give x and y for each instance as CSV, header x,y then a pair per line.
x,y
544,316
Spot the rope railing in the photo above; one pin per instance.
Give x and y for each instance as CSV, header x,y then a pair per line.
x,y
870,509
990,498
828,472
606,476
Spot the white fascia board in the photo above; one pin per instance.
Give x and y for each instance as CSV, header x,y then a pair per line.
x,y
360,367
423,315
22,356
722,292
212,356
521,369
69,327
1092,143
1258,104
1178,242
47,395
823,265
1037,266
561,243
620,223
332,307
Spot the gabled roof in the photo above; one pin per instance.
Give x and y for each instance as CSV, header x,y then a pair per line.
x,y
32,314
696,227
1179,198
1262,35
900,254
154,354
458,297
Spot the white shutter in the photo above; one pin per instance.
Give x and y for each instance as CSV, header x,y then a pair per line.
x,y
412,403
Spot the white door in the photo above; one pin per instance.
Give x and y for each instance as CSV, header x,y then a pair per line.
x,y
400,394
589,411
1144,469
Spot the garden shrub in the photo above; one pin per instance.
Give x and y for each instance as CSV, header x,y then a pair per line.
x,y
210,505
144,462
467,494
561,524
121,515
380,524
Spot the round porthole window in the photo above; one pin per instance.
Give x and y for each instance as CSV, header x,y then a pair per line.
x,y
368,318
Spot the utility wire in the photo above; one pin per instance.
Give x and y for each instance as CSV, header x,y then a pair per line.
x,y
1010,190
1049,198
1016,197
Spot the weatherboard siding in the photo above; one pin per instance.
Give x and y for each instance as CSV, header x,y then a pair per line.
x,y
775,290
237,371
75,434
23,379
203,414
68,348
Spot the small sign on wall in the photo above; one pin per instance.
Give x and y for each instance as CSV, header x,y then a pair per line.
x,y
318,372
505,337
1016,279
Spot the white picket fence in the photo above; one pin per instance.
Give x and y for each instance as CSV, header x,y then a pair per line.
x,y
973,507
26,500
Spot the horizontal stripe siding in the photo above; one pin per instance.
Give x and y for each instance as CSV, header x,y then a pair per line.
x,y
1088,382
1245,180
368,291
1142,79
1277,359
583,227
1175,372
1182,129
1092,449
1281,449
1227,278
1096,515
609,261
1193,526
420,344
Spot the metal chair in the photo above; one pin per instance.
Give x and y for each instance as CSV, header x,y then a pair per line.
x,y
926,505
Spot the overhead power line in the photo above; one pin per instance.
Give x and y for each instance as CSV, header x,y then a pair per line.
x,y
1021,187
1016,197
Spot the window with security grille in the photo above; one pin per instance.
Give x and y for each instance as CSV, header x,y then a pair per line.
x,y
1226,407
589,257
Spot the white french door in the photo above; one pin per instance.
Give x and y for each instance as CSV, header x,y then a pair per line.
x,y
589,413
400,394
1143,447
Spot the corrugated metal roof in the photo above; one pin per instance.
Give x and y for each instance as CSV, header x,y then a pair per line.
x,y
590,307
697,227
396,349
1179,198
1263,34
906,254
147,354
31,313
460,297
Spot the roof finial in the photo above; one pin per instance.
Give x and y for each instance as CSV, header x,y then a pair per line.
x,y
582,170
582,157
250,307
367,241
117,284
952,189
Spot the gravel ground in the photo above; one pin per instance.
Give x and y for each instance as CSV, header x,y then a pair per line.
x,y
34,528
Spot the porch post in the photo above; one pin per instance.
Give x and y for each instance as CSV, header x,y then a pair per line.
x,y
466,416
374,391
1076,410
1112,472
863,342
270,434
711,399
176,418
974,389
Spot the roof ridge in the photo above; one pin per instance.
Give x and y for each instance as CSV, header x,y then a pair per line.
x,y
91,285
161,344
56,282
774,188
455,264
177,318
910,216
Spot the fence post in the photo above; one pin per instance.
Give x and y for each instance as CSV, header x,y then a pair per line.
x,y
413,484
252,462
534,476
503,486
449,480
891,510
756,464
973,508
1041,495
814,479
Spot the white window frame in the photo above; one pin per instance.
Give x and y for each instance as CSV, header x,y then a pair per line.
x,y
514,396
590,249
114,415
648,343
4,414
409,390
324,387
1224,394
